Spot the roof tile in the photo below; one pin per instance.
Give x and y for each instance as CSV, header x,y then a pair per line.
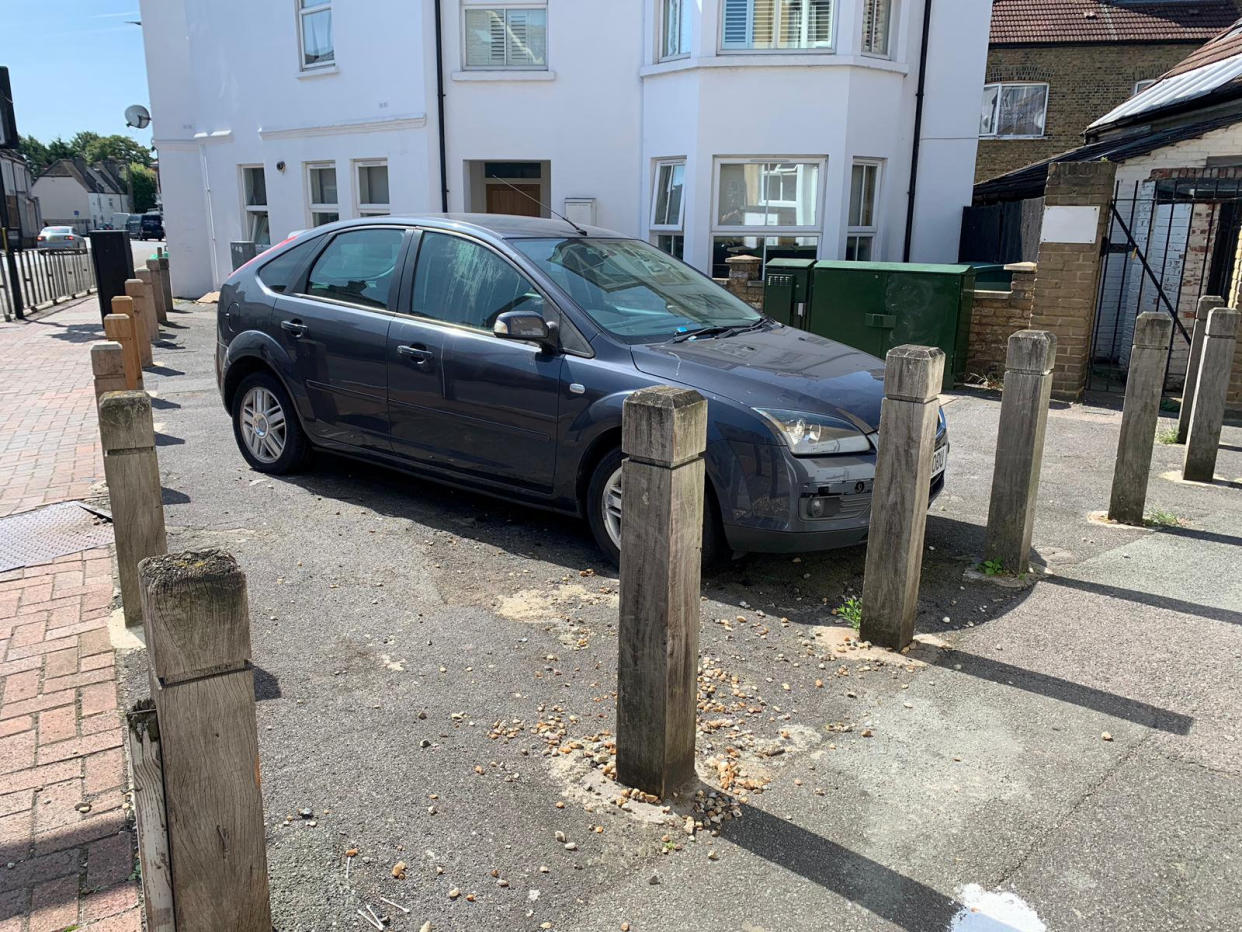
x,y
1017,22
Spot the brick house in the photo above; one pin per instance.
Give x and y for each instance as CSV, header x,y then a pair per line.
x,y
1055,65
1174,232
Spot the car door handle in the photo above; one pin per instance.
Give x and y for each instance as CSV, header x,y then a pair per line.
x,y
296,327
419,354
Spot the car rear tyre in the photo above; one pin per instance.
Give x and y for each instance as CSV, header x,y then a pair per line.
x,y
604,514
266,425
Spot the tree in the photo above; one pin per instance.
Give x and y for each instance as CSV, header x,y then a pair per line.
x,y
143,181
119,148
34,152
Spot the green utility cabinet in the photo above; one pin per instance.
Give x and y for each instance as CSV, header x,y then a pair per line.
x,y
786,289
874,306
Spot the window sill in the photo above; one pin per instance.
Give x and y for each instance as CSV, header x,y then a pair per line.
x,y
501,74
318,72
798,59
1010,138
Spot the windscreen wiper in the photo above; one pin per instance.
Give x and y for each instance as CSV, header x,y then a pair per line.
x,y
701,332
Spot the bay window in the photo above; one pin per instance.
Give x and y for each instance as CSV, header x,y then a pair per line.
x,y
776,24
863,223
668,207
507,37
765,207
877,27
1013,111
674,29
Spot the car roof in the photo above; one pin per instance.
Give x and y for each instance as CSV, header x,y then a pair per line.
x,y
501,226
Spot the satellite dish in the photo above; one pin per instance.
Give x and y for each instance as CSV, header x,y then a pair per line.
x,y
137,116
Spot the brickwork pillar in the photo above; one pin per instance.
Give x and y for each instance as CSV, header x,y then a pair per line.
x,y
1068,276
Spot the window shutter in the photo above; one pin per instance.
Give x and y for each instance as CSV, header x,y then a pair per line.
x,y
737,23
485,38
819,27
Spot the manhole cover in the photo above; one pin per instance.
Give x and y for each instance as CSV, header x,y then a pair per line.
x,y
42,535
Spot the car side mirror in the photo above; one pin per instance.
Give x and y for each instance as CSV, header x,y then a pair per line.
x,y
525,325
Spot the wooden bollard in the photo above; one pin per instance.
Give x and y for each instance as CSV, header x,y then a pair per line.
x,y
1020,448
157,290
120,327
664,434
166,282
137,289
132,471
899,499
151,816
149,283
1207,304
1211,389
125,304
1139,415
198,641
108,367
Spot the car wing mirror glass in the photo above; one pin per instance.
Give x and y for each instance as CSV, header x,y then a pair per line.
x,y
525,325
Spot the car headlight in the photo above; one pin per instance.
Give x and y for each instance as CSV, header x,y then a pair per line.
x,y
815,434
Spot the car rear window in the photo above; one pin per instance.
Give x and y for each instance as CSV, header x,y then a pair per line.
x,y
358,267
280,273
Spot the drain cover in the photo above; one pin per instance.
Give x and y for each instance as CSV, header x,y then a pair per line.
x,y
42,535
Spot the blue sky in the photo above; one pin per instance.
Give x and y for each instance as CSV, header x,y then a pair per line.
x,y
74,64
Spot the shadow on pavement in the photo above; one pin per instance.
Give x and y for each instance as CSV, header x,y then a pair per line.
x,y
904,902
1054,687
163,403
167,440
1148,598
266,685
173,497
1210,537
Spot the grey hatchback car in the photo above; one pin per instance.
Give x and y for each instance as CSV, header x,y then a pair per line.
x,y
495,353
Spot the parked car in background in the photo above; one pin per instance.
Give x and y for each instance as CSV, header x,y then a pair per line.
x,y
63,238
152,226
496,352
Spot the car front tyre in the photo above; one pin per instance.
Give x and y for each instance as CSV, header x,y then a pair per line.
x,y
266,425
604,514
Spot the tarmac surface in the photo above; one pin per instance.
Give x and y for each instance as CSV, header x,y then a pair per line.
x,y
426,661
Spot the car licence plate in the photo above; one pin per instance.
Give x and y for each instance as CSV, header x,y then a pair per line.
x,y
940,459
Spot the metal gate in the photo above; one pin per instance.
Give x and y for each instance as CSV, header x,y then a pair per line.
x,y
43,278
1169,242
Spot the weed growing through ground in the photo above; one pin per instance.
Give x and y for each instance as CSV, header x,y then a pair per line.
x,y
1167,436
991,568
1162,519
850,610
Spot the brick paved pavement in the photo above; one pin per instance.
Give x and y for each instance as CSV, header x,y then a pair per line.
x,y
60,729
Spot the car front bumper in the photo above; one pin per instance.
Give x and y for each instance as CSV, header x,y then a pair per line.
x,y
773,502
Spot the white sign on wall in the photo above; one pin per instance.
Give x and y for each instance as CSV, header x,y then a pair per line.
x,y
1069,225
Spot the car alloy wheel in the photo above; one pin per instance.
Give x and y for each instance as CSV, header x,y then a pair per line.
x,y
264,425
610,507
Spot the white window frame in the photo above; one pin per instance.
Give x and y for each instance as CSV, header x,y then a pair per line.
x,y
1144,84
321,207
662,32
1000,90
817,228
250,212
373,208
887,51
656,230
869,231
499,6
750,49
303,13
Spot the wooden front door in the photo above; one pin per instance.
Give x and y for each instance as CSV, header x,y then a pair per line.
x,y
503,200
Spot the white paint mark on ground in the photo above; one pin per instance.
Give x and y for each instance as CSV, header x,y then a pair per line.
x,y
995,911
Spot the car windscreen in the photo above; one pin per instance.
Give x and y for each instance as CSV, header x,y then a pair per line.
x,y
633,290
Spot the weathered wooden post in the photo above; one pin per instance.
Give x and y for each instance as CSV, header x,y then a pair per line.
x,y
157,289
664,433
108,367
149,286
132,471
124,304
1020,448
166,281
1210,390
198,639
899,499
1139,414
137,289
1207,304
120,327
151,816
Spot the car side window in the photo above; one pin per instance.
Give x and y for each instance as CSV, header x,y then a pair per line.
x,y
462,282
358,267
280,273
